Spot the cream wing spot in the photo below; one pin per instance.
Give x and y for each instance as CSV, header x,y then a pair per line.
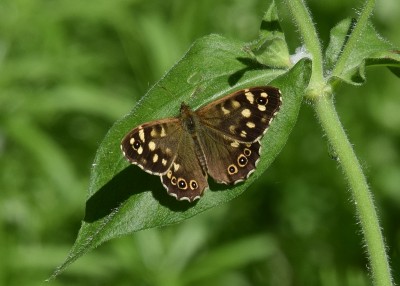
x,y
176,167
152,146
140,150
225,111
132,140
250,97
232,129
235,144
262,107
264,94
164,162
163,133
243,134
141,135
235,104
250,124
246,113
155,158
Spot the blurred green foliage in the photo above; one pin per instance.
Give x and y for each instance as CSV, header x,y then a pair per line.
x,y
69,69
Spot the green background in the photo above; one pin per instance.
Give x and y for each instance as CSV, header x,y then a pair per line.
x,y
69,69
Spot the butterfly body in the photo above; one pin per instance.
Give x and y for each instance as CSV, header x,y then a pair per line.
x,y
190,123
220,139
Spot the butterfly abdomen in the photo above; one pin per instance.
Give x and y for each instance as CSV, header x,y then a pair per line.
x,y
200,154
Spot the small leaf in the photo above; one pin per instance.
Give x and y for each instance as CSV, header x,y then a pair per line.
x,y
372,50
124,199
270,49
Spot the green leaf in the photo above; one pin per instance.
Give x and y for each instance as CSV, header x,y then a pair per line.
x,y
124,199
373,50
270,49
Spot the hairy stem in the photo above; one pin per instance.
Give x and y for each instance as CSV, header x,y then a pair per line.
x,y
355,36
361,195
309,35
320,92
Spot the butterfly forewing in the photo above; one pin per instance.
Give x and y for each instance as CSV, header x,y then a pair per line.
x,y
244,115
153,146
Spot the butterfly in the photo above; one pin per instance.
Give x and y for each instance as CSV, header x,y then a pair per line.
x,y
220,139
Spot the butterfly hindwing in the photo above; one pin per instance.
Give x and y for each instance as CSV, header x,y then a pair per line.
x,y
185,179
244,115
228,160
153,146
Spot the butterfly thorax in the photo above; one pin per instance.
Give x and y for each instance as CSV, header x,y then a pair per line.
x,y
188,119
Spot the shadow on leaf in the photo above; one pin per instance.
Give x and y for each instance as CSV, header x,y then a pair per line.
x,y
172,203
270,26
251,65
125,184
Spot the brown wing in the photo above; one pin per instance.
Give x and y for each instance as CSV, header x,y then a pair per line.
x,y
153,145
185,179
243,115
228,160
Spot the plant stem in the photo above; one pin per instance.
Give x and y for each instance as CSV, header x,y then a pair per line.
x,y
321,95
355,36
307,31
362,197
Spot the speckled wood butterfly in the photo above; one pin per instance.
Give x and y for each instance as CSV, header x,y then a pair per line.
x,y
221,139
